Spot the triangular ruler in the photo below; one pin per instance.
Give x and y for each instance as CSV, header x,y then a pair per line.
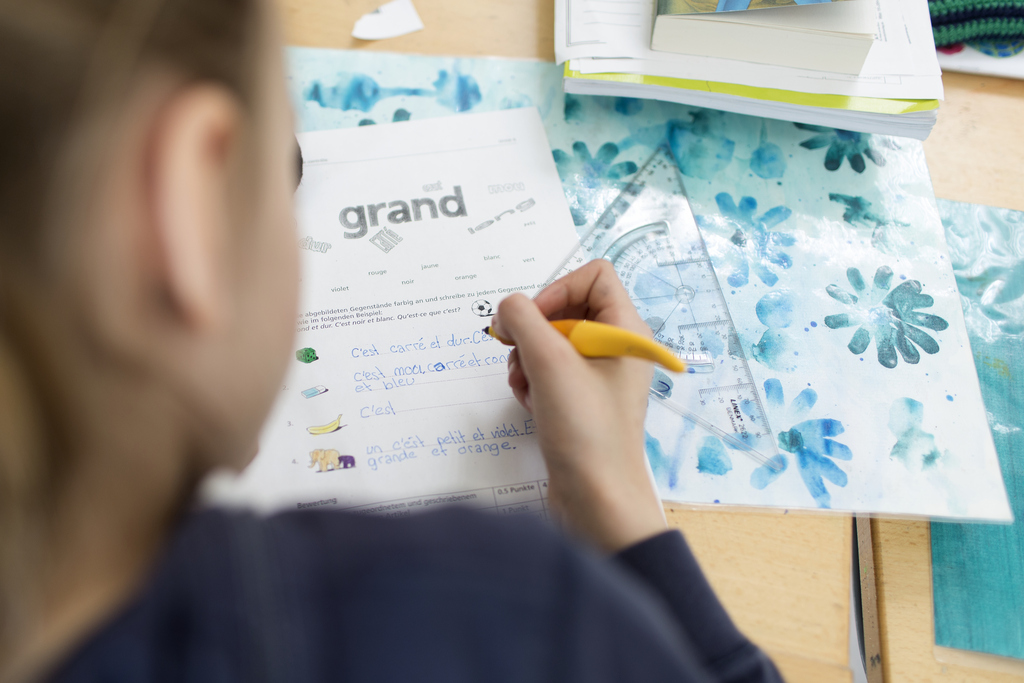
x,y
648,232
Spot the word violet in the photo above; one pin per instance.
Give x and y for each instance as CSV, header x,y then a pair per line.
x,y
357,219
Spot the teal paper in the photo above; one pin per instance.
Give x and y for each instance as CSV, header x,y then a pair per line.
x,y
978,569
834,269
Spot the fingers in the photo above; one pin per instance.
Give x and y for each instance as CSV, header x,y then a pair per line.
x,y
595,292
516,377
540,348
522,395
591,288
518,382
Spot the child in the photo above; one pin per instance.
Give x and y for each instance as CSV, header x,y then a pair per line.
x,y
148,283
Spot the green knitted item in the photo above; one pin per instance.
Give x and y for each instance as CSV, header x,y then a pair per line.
x,y
959,21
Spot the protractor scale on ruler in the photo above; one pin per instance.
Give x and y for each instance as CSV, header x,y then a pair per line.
x,y
650,235
674,293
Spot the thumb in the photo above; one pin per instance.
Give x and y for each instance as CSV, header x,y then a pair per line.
x,y
541,348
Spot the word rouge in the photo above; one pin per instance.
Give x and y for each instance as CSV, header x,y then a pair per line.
x,y
354,218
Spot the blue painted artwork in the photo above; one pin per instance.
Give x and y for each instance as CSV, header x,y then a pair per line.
x,y
890,318
768,161
582,170
811,442
914,447
712,457
666,465
842,144
885,233
833,269
354,91
978,569
756,245
700,145
358,91
775,349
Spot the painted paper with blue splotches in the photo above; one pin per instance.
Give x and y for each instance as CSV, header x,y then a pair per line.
x,y
978,569
829,250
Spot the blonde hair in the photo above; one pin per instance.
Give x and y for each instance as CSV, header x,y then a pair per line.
x,y
65,66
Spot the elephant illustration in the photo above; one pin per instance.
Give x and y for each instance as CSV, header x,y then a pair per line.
x,y
330,460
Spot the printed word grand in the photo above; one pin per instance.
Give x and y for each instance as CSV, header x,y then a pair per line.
x,y
356,219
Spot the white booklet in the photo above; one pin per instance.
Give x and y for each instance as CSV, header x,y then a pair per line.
x,y
605,37
396,400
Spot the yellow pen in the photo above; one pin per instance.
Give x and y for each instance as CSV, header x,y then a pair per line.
x,y
598,340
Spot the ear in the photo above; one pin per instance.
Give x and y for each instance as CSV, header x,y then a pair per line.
x,y
191,164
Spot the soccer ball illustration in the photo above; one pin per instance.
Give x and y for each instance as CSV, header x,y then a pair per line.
x,y
483,308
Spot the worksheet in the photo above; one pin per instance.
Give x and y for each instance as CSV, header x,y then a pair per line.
x,y
396,399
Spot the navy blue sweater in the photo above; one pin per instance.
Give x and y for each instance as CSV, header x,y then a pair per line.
x,y
448,596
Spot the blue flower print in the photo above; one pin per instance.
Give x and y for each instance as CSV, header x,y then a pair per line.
x,y
700,146
515,101
767,161
842,144
456,91
811,441
754,244
664,465
589,174
775,350
858,212
891,318
399,116
573,109
914,447
628,106
356,91
712,457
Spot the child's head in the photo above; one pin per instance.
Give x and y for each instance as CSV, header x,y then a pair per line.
x,y
147,256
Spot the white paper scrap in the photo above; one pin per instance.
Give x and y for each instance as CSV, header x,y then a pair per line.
x,y
390,20
971,61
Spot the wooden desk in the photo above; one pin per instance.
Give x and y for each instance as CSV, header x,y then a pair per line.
x,y
975,154
976,151
783,577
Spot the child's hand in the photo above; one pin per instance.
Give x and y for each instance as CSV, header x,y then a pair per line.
x,y
589,412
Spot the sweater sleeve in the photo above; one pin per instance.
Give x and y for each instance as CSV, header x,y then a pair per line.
x,y
666,565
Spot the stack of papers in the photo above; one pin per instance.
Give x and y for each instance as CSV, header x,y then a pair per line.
x,y
606,48
834,36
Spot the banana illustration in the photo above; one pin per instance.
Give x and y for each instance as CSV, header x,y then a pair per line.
x,y
327,428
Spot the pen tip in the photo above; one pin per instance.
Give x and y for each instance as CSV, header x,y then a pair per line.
x,y
487,330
